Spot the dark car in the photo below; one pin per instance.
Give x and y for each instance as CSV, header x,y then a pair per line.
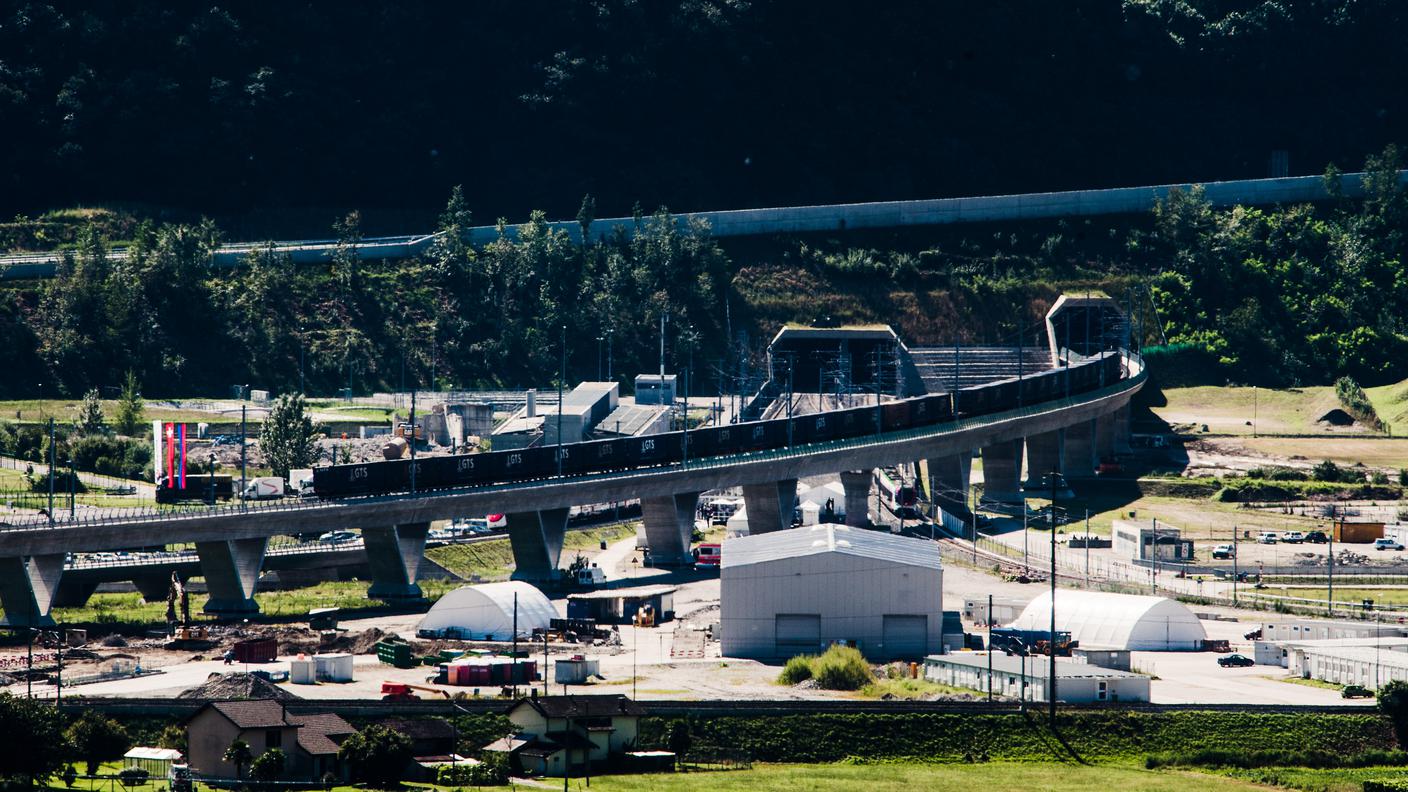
x,y
1317,537
1235,661
1356,691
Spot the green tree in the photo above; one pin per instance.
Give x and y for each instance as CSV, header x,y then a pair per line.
x,y
269,765
1393,702
172,736
287,436
89,418
130,409
34,746
376,755
239,755
680,739
97,739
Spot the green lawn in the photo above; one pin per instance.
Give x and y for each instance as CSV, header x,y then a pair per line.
x,y
1352,596
130,609
1227,410
493,560
1337,780
902,777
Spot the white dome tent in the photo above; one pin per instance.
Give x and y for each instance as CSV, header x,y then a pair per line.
x,y
1101,620
485,612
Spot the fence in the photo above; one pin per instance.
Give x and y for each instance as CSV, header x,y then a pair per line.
x,y
177,513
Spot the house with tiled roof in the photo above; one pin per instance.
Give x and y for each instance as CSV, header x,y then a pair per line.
x,y
557,734
310,740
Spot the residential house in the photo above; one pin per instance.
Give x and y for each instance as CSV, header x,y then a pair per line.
x,y
310,740
572,734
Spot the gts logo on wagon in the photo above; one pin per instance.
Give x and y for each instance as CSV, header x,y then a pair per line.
x,y
358,474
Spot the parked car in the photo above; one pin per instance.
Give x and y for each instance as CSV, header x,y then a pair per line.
x,y
333,537
1356,691
1293,537
1387,544
1235,661
1223,551
1317,537
1267,537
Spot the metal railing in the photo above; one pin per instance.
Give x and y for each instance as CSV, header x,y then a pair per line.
x,y
177,514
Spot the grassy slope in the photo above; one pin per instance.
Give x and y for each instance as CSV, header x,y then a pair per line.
x,y
493,560
1228,410
909,776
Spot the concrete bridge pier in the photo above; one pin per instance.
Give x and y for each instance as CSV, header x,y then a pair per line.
x,y
669,527
1045,452
948,482
231,570
536,538
857,483
1104,437
1002,472
394,553
1122,431
1081,457
27,589
770,505
153,588
73,592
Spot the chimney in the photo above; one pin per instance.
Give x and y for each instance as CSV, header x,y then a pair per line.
x,y
532,409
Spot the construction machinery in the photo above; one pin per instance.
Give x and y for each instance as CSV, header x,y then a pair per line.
x,y
401,691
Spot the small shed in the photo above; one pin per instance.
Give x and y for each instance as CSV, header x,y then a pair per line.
x,y
619,606
575,670
156,761
333,667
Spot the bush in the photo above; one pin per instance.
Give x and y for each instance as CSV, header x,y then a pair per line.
x,y
377,756
492,770
132,776
839,668
121,457
842,668
1356,402
269,765
1314,758
798,669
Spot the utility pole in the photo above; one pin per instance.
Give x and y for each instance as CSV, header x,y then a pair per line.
x,y
1154,583
562,378
1235,574
1051,647
244,444
1330,597
413,440
608,356
989,648
72,487
52,458
688,371
599,339
515,647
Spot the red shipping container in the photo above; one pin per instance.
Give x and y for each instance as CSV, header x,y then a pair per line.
x,y
261,650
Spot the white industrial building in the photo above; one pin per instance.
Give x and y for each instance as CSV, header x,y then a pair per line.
x,y
1324,629
488,611
797,591
1369,666
1028,677
1101,620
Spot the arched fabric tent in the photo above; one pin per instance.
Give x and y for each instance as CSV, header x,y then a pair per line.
x,y
486,611
1100,620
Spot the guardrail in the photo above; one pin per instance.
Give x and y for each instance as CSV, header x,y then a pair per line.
x,y
178,514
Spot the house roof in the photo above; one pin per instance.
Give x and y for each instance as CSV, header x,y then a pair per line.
x,y
543,748
507,744
570,739
262,714
834,539
317,731
580,706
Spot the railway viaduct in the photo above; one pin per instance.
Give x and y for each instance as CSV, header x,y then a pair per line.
x,y
1067,436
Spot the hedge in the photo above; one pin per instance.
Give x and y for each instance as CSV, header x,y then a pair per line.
x,y
1011,736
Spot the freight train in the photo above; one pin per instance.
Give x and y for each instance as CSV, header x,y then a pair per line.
x,y
675,448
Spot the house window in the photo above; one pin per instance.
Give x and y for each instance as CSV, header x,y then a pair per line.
x,y
273,738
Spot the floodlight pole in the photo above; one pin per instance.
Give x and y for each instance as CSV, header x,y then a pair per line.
x,y
989,648
1051,647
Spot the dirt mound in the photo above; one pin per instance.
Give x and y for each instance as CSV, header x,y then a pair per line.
x,y
1336,417
223,687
